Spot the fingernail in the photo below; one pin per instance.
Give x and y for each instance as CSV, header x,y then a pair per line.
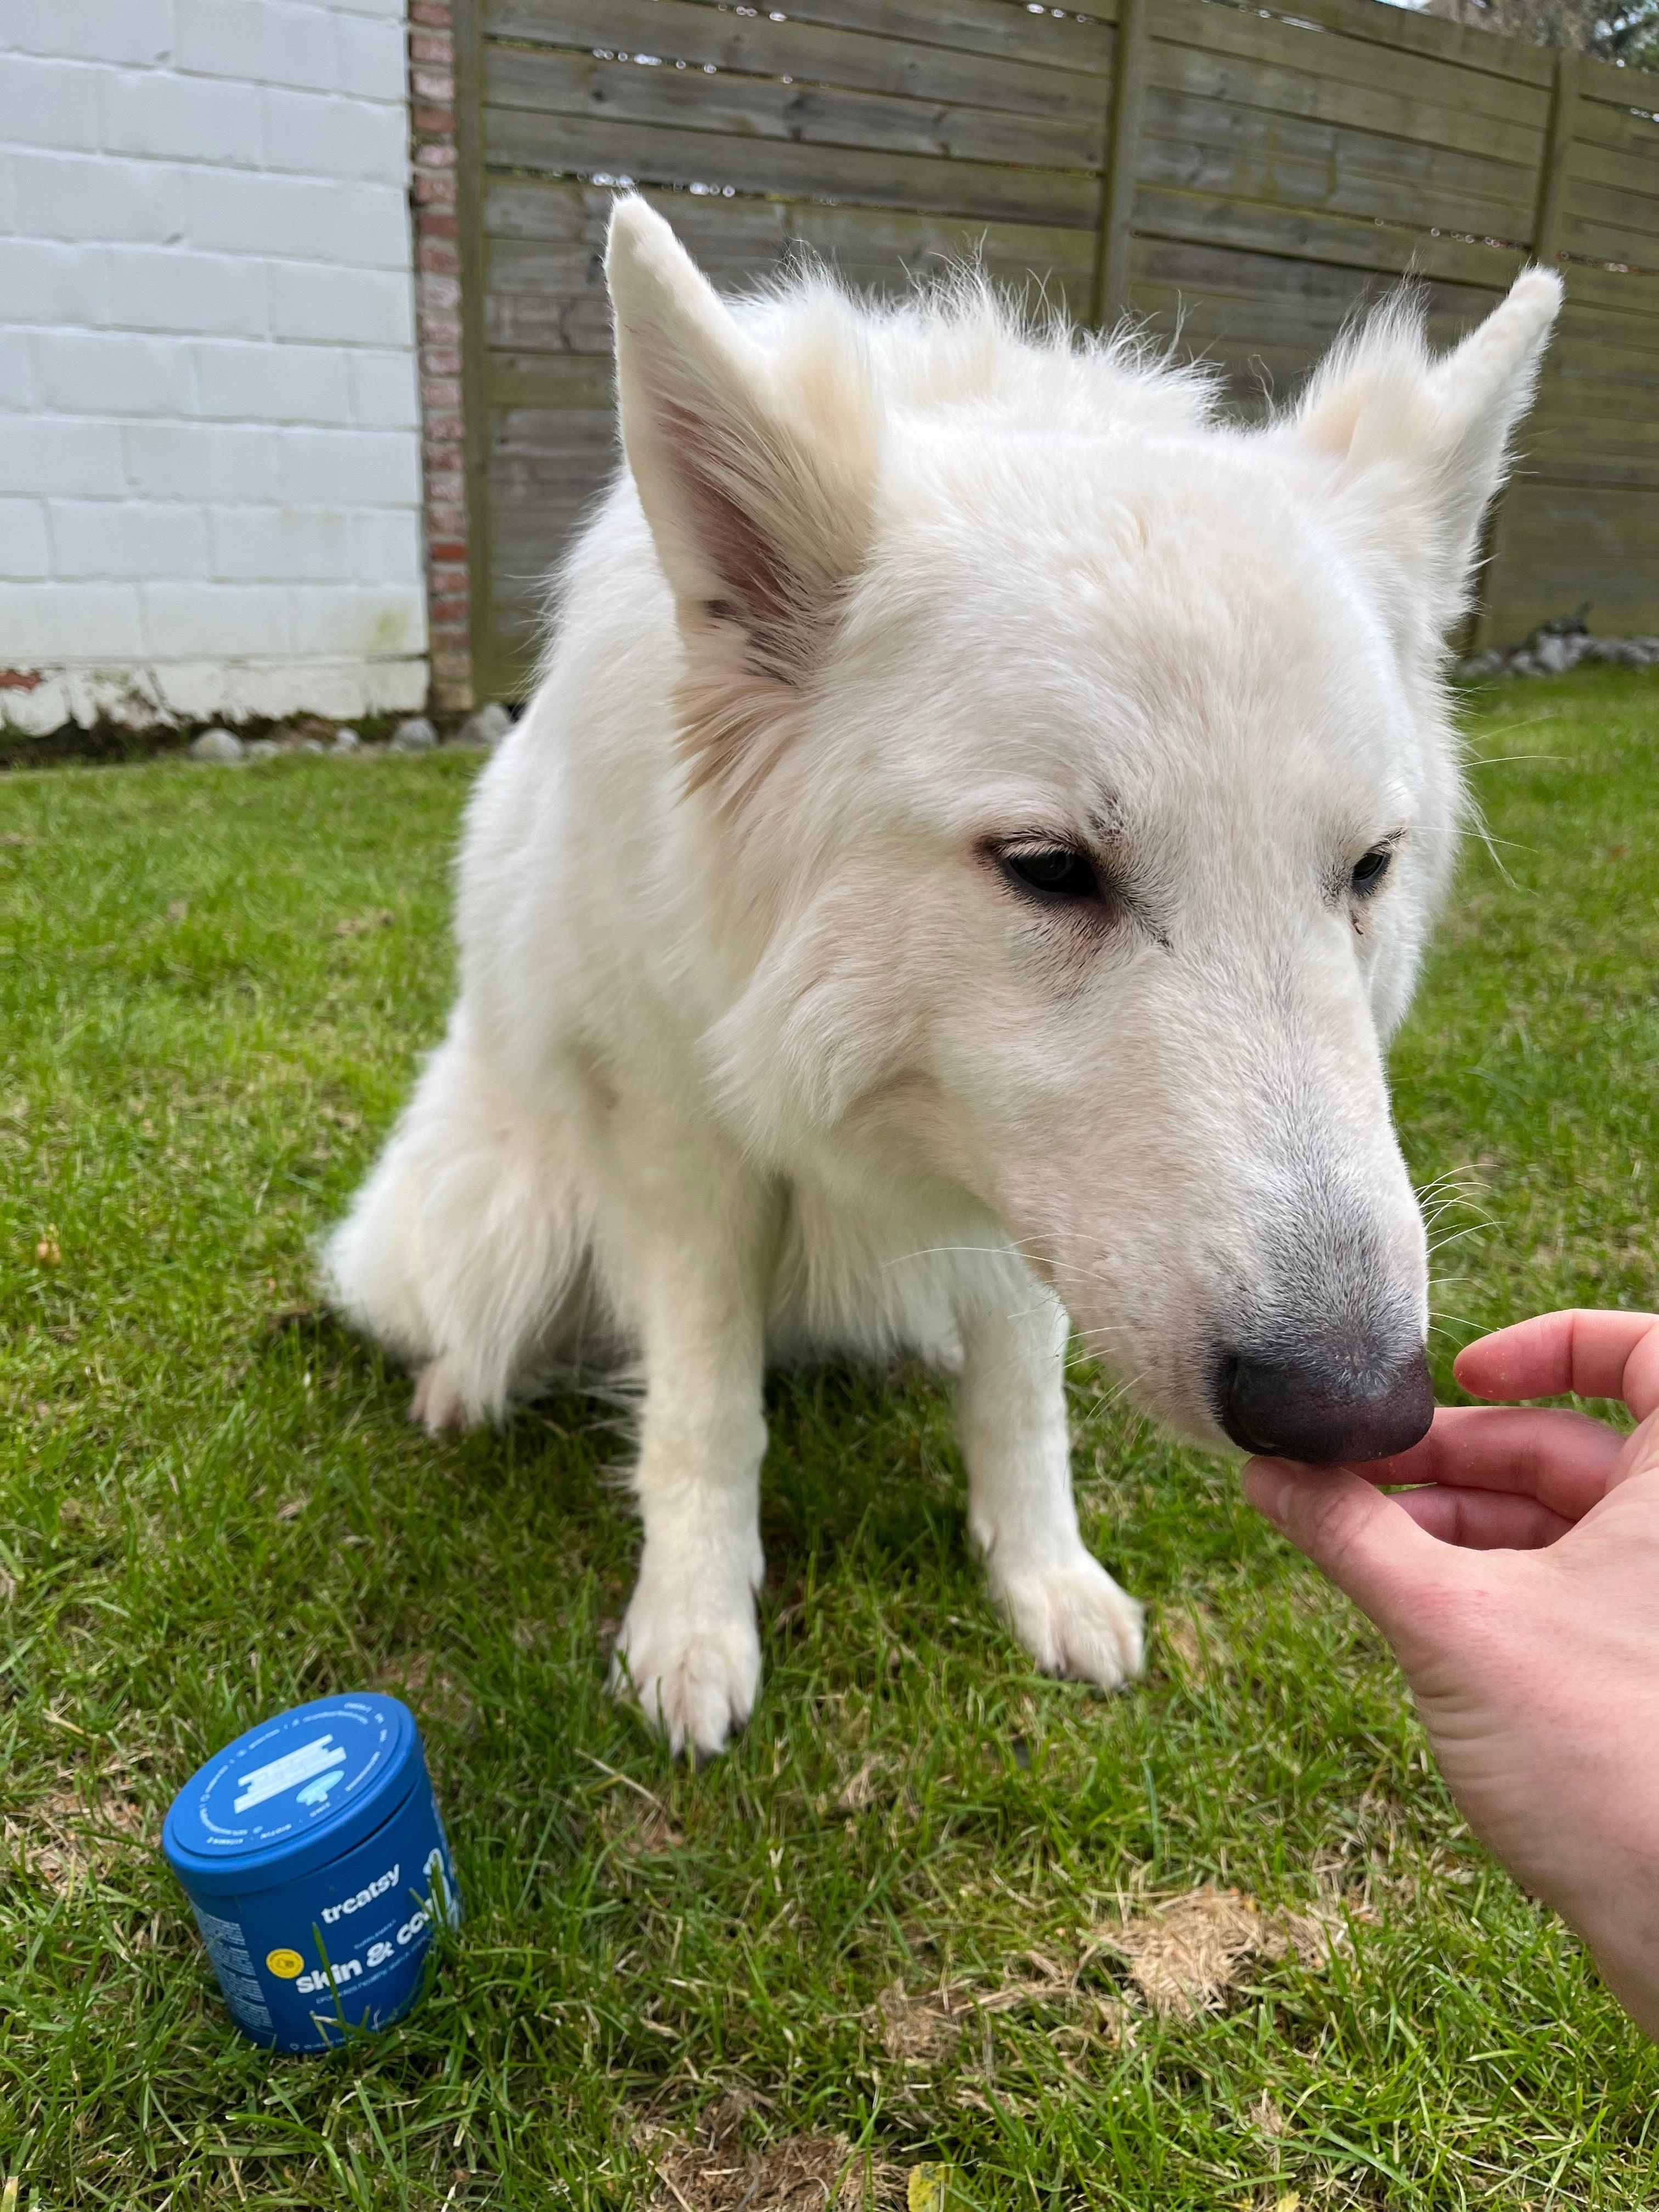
x,y
1267,1486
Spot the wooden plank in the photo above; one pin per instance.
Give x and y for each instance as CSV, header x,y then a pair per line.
x,y
548,237
1605,522
582,147
1239,154
759,45
1202,145
1375,24
1612,208
1435,98
1641,474
723,236
1618,129
1593,399
1612,289
884,249
1623,169
1310,235
541,381
1110,289
1619,87
1632,250
1607,344
1005,29
1233,68
1222,272
1207,312
557,84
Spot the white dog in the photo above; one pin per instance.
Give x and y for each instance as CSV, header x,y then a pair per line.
x,y
977,824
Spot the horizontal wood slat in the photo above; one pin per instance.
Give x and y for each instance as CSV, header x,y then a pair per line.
x,y
579,146
705,38
624,92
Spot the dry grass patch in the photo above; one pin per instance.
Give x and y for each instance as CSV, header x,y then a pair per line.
x,y
713,2170
1186,1956
75,1834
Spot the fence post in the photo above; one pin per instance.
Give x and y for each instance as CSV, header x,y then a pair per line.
x,y
1548,215
1553,178
1117,183
474,359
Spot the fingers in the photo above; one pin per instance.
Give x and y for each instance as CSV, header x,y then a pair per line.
x,y
1483,1520
1563,1459
1367,1544
1598,1355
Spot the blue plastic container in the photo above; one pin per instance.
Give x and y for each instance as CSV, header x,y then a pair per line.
x,y
314,1860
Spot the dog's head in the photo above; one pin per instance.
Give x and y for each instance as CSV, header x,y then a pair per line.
x,y
1084,784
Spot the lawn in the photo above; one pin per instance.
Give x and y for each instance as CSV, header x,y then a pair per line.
x,y
891,1915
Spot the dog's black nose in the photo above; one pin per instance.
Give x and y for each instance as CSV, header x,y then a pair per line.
x,y
1324,1410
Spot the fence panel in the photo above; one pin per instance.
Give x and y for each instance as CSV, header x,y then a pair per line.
x,y
1240,177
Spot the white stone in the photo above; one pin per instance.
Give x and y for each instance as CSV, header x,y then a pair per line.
x,y
415,735
487,725
347,741
217,745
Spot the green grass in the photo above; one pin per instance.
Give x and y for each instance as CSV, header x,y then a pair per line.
x,y
214,989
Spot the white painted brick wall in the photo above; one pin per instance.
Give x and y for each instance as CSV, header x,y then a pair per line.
x,y
209,445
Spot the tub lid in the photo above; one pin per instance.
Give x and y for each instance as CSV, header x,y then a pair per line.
x,y
293,1793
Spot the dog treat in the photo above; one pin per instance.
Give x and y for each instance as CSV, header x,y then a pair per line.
x,y
316,1864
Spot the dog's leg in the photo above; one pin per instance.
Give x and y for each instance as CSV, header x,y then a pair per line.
x,y
1061,1603
700,1232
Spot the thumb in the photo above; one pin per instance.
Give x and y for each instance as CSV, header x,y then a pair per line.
x,y
1368,1546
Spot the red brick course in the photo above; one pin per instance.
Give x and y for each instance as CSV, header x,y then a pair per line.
x,y
438,296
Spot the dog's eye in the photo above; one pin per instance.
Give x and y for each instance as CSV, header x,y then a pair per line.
x,y
1054,871
1370,870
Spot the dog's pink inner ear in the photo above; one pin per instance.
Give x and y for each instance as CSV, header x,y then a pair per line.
x,y
759,591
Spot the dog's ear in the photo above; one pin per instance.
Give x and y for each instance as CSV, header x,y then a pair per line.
x,y
756,473
1420,444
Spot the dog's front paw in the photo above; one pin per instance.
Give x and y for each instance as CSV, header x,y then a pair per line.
x,y
1074,1619
690,1663
438,1403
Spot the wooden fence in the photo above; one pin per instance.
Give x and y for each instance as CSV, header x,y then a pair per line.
x,y
1241,174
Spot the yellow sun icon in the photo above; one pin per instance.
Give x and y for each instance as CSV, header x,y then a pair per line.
x,y
285,1963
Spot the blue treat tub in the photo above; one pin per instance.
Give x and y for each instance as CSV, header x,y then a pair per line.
x,y
315,1863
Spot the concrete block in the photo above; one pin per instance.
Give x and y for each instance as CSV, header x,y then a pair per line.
x,y
343,306
356,468
24,549
180,118
257,41
199,460
117,538
72,622
203,621
173,289
270,383
110,372
358,621
47,282
282,544
49,103
386,391
81,197
135,31
328,135
67,455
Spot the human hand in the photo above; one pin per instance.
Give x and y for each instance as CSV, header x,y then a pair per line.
x,y
1518,1584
